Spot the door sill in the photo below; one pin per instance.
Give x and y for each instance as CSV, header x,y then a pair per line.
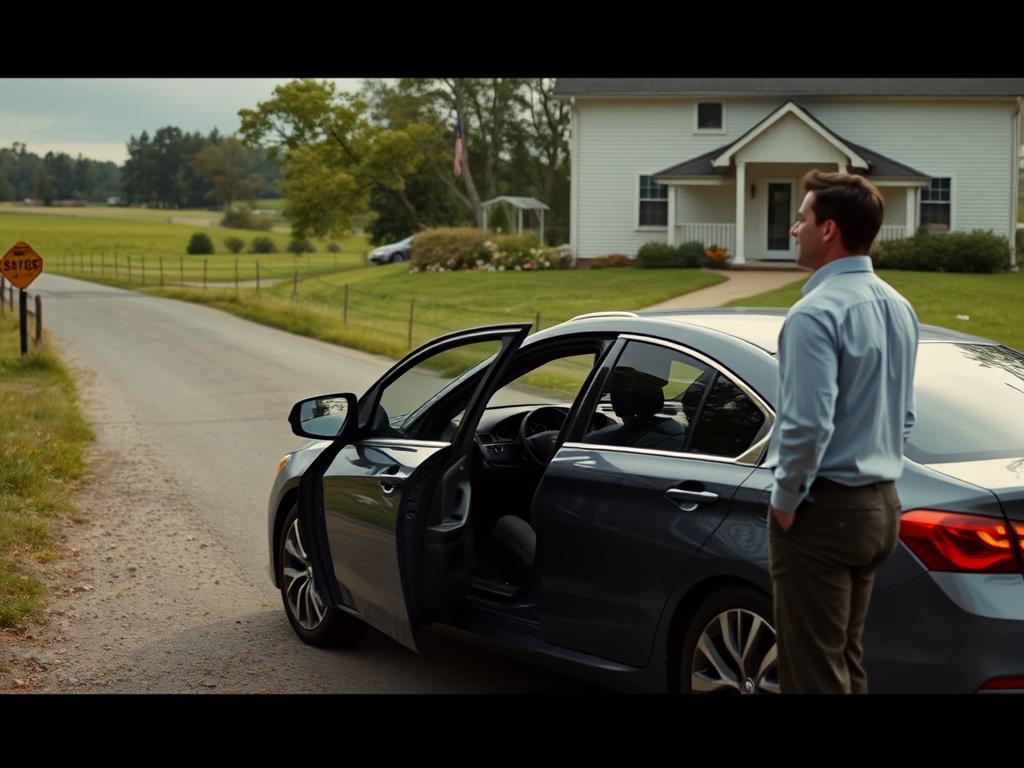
x,y
494,587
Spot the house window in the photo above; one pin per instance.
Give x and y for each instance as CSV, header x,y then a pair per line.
x,y
936,205
709,116
653,203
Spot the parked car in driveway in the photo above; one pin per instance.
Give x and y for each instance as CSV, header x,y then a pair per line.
x,y
392,253
595,494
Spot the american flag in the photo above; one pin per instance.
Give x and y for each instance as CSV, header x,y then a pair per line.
x,y
459,149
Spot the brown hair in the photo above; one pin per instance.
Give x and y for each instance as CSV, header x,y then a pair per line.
x,y
852,202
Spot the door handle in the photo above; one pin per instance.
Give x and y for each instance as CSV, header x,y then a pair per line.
x,y
388,483
689,500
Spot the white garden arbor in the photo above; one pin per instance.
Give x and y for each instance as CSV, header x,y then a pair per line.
x,y
520,204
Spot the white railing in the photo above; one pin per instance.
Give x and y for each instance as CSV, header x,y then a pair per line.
x,y
892,232
722,235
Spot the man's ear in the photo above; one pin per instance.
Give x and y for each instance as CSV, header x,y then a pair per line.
x,y
829,231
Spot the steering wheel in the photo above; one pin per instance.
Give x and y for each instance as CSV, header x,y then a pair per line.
x,y
539,447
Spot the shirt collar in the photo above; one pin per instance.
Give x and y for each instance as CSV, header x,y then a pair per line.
x,y
838,267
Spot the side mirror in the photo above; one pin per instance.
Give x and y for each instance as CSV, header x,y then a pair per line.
x,y
324,417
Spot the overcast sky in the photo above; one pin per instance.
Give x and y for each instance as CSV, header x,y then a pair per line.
x,y
97,117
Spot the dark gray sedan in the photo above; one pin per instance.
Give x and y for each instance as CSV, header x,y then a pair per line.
x,y
594,494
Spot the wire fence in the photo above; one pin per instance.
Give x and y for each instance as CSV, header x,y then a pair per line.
x,y
298,278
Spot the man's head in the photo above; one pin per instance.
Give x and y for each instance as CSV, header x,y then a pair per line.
x,y
841,215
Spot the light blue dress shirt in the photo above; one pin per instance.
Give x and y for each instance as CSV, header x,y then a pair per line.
x,y
846,383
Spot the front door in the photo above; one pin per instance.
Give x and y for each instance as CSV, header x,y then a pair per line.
x,y
779,217
388,507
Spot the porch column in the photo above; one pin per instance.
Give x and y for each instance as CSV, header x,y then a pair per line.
x,y
672,214
741,211
911,211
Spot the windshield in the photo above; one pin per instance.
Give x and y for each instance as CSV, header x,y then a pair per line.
x,y
970,403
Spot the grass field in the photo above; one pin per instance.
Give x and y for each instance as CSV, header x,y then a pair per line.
x,y
63,235
135,245
42,451
992,302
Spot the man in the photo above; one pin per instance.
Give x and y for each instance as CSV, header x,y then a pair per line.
x,y
846,360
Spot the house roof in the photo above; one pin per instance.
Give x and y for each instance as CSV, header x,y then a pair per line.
x,y
791,108
566,87
716,162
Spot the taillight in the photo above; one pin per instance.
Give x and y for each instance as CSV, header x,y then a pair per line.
x,y
1004,684
949,541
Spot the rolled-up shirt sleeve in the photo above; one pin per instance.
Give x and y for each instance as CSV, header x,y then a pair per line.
x,y
809,384
911,417
911,403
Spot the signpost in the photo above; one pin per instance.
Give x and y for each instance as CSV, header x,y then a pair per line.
x,y
21,265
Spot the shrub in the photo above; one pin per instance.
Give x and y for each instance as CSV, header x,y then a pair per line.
x,y
299,245
241,217
449,248
977,251
262,245
519,253
657,255
200,243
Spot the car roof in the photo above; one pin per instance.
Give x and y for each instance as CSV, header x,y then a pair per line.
x,y
758,326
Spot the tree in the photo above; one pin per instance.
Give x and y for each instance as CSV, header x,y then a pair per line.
x,y
485,108
335,157
431,198
43,185
27,165
171,180
268,170
540,152
84,178
140,170
61,170
197,192
225,165
516,136
8,168
23,174
435,207
159,170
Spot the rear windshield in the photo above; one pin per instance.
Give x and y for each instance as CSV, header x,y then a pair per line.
x,y
970,403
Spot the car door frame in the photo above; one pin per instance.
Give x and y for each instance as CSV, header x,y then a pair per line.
x,y
410,536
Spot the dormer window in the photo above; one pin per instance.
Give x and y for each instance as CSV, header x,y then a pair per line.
x,y
711,116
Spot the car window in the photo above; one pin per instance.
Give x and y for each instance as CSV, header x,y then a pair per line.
x,y
645,399
402,397
556,381
970,404
729,422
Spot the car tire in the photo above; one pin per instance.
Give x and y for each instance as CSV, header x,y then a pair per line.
x,y
711,659
316,621
397,258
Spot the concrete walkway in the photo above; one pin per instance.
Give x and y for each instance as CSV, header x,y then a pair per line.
x,y
738,285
